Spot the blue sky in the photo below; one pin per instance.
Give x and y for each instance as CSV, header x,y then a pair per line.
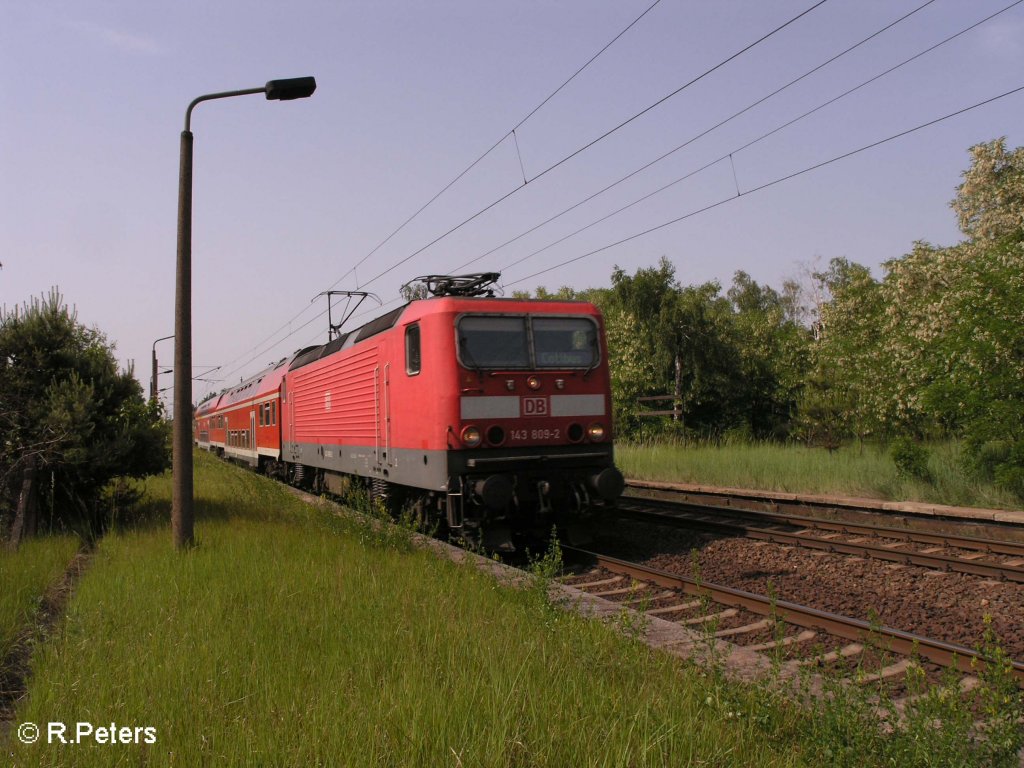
x,y
288,197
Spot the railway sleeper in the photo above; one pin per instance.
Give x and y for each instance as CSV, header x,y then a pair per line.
x,y
847,651
649,599
728,613
675,608
897,669
806,636
619,591
757,626
599,583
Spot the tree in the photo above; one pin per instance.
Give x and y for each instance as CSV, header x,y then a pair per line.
x,y
845,361
954,317
67,416
630,366
935,347
688,336
989,204
774,350
644,304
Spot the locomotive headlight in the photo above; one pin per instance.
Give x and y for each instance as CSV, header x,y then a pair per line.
x,y
471,437
533,382
596,432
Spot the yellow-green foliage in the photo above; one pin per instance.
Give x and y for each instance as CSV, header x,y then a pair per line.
x,y
288,637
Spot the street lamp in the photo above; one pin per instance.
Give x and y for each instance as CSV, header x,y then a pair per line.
x,y
181,461
153,387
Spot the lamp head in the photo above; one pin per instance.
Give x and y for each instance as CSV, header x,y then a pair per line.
x,y
291,88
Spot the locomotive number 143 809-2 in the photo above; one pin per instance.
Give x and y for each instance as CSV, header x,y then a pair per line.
x,y
535,434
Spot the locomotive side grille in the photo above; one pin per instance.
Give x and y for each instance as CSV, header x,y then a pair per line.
x,y
350,409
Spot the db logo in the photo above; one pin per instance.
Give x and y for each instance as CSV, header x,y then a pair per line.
x,y
535,406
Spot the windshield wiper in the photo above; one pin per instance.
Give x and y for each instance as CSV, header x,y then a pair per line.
x,y
467,356
596,358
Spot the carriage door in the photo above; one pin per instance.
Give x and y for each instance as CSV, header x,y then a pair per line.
x,y
382,415
252,431
289,419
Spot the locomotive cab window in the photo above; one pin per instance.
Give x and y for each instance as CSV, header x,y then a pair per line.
x,y
504,341
493,342
565,342
412,350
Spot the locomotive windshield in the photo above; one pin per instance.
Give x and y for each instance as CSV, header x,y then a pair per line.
x,y
504,341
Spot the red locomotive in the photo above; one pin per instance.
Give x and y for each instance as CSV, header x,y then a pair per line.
x,y
489,413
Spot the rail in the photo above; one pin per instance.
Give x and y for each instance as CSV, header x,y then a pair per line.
x,y
944,654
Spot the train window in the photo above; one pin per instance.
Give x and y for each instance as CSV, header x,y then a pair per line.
x,y
262,418
412,349
565,342
273,414
493,342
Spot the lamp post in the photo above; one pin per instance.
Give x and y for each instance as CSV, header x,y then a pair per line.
x,y
153,386
181,460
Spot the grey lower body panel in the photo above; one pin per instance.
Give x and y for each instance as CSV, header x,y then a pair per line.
x,y
432,470
404,466
538,458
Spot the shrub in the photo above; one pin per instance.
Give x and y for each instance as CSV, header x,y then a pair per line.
x,y
1000,461
911,459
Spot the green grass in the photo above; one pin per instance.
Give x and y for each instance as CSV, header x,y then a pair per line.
x,y
25,576
858,470
290,637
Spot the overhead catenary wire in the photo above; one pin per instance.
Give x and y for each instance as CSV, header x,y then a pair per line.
x,y
550,168
445,188
495,145
774,182
600,138
730,155
296,330
761,187
698,136
744,193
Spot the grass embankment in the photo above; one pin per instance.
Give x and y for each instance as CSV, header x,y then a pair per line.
x,y
863,470
291,637
25,575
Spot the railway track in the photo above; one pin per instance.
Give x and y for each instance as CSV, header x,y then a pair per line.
x,y
1001,523
617,578
985,557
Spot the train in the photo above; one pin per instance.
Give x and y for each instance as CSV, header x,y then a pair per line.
x,y
484,414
